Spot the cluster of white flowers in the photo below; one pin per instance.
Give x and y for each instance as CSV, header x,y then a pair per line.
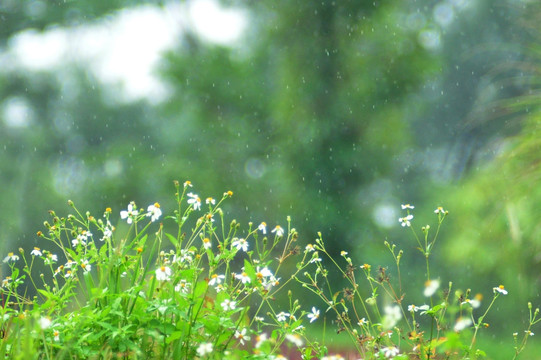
x,y
11,257
295,339
130,214
314,315
107,231
195,201
278,230
204,349
207,244
243,277
36,252
283,316
260,339
462,323
185,259
332,357
183,286
50,259
154,212
81,239
431,286
266,278
240,244
500,289
392,316
6,282
70,267
413,308
163,273
241,335
390,352
475,302
406,220
216,279
228,305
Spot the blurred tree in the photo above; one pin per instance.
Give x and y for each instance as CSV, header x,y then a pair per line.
x,y
303,119
60,137
495,222
69,148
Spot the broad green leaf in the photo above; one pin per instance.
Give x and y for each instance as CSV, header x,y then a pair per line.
x,y
172,239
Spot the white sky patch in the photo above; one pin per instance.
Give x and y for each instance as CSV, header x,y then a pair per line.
x,y
430,39
385,215
444,14
215,23
127,50
39,51
16,113
124,50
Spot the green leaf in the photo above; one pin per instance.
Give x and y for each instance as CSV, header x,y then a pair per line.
x,y
434,310
46,293
480,352
172,239
106,325
155,323
249,270
174,336
200,289
167,328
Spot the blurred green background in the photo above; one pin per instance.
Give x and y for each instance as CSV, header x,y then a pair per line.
x,y
333,112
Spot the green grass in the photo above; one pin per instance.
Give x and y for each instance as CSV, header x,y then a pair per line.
x,y
194,285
